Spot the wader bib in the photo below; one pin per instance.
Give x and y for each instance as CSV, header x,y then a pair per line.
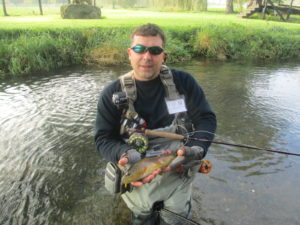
x,y
173,188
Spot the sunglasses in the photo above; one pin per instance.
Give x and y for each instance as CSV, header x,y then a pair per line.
x,y
153,50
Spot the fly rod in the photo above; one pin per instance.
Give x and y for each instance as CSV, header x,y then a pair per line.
x,y
182,137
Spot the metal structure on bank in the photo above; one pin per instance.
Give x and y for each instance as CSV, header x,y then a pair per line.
x,y
283,9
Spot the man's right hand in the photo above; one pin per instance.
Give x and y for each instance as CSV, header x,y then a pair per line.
x,y
130,157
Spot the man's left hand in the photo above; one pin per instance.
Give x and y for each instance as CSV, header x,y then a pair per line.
x,y
185,155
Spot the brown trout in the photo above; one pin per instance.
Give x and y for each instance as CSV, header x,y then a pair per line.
x,y
145,167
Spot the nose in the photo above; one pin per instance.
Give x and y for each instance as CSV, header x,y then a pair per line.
x,y
147,55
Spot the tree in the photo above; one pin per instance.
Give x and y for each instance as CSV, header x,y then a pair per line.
x,y
229,6
200,5
40,6
127,3
4,8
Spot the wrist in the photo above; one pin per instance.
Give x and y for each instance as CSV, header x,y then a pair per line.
x,y
199,152
123,152
132,155
195,152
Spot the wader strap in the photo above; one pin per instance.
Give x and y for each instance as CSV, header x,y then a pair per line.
x,y
167,80
129,87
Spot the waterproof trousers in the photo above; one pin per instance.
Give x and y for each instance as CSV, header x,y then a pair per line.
x,y
172,188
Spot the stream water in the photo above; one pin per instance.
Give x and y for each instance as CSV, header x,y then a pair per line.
x,y
51,174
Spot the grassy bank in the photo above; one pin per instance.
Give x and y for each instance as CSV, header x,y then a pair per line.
x,y
35,43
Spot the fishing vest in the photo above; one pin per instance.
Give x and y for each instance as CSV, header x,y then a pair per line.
x,y
128,86
179,124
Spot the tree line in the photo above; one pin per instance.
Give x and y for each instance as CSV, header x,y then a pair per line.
x,y
185,5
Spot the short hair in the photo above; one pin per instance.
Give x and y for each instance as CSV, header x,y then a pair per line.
x,y
149,29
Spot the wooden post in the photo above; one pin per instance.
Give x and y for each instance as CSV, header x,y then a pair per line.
x,y
4,8
264,9
289,10
40,6
278,11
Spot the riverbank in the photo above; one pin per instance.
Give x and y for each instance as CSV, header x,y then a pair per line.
x,y
44,43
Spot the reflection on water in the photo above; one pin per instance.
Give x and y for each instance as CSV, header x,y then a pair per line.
x,y
51,174
256,105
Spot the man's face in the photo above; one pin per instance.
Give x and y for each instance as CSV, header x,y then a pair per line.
x,y
146,66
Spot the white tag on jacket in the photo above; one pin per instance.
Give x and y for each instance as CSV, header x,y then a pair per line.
x,y
176,106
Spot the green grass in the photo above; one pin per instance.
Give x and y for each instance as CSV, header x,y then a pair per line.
x,y
30,11
121,17
42,43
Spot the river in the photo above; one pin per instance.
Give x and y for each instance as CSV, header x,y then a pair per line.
x,y
51,174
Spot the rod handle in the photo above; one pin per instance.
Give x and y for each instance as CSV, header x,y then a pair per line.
x,y
164,134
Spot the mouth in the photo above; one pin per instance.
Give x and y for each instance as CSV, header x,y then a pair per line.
x,y
146,67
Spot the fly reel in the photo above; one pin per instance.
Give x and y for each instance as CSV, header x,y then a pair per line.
x,y
138,141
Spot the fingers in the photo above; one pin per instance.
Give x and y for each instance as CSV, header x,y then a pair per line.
x,y
151,176
179,168
137,183
156,172
205,167
166,152
180,152
147,179
204,170
166,169
177,162
123,161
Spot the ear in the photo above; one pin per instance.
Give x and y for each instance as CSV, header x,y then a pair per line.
x,y
129,52
165,57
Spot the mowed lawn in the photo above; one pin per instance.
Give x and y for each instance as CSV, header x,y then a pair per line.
x,y
118,18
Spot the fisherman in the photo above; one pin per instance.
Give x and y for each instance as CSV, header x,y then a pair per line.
x,y
154,97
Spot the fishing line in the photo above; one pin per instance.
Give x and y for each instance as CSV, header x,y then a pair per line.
x,y
201,131
182,137
245,146
235,145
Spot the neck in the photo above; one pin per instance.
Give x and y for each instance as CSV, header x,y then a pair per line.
x,y
140,78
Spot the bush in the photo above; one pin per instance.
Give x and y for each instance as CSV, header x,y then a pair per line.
x,y
43,53
236,41
45,49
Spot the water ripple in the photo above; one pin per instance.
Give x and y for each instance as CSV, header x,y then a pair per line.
x,y
36,120
50,173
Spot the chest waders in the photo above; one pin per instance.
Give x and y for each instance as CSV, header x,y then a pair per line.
x,y
171,188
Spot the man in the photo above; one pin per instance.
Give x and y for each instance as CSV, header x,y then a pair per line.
x,y
158,99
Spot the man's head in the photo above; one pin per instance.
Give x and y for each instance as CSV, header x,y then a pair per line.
x,y
147,51
149,30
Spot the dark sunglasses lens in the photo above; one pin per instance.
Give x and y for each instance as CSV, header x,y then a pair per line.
x,y
155,50
139,49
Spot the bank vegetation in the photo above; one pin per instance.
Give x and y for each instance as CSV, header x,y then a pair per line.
x,y
29,45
